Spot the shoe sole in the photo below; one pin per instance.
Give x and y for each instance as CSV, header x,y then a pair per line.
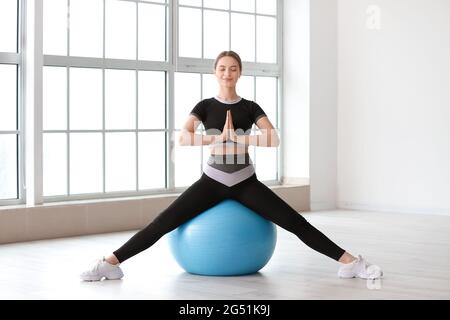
x,y
90,279
346,275
356,276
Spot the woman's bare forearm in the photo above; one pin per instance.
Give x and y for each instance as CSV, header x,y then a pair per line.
x,y
194,139
268,138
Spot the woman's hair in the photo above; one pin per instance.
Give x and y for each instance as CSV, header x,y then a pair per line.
x,y
229,54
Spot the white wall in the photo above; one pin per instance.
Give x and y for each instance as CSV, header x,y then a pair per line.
x,y
378,103
295,134
394,106
323,78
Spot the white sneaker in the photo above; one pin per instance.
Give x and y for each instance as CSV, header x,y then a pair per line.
x,y
360,268
102,269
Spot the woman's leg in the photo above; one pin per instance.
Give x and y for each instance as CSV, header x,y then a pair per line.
x,y
255,195
203,194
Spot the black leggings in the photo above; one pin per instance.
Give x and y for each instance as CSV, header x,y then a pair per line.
x,y
207,192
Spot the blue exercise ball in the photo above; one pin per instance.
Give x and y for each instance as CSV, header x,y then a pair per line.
x,y
225,240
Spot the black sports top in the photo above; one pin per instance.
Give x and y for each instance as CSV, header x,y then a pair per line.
x,y
213,113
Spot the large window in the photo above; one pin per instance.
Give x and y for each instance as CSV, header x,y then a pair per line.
x,y
119,78
104,99
10,126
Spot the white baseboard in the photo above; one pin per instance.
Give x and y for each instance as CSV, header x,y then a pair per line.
x,y
390,208
321,206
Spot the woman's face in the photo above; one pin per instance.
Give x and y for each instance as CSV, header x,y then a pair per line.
x,y
227,71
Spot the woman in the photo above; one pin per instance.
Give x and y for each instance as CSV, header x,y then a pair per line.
x,y
229,173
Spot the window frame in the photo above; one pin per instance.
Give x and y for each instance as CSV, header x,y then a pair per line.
x,y
16,58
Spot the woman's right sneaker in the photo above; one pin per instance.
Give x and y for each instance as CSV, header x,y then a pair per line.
x,y
102,269
360,268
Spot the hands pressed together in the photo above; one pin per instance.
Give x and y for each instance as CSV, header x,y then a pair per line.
x,y
228,133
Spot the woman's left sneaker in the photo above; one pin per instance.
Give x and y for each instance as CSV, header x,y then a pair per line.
x,y
360,268
102,269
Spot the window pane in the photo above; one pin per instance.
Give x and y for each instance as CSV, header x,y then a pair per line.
x,y
120,30
266,41
216,33
245,87
266,97
152,32
187,163
8,25
266,163
85,99
190,33
152,160
8,94
196,3
86,28
210,86
120,99
152,100
243,5
55,98
120,161
243,35
217,4
266,6
8,167
55,27
187,95
55,164
86,163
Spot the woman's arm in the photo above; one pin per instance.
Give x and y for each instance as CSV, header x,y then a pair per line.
x,y
268,137
188,137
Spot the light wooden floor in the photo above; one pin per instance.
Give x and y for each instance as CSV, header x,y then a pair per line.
x,y
412,249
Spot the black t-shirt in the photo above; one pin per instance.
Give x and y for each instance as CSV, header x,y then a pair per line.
x,y
213,113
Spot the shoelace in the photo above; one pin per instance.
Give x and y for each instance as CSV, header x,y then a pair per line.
x,y
369,268
96,265
364,261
